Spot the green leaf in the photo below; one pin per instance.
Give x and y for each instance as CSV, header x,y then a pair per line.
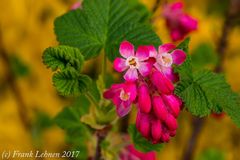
x,y
206,92
103,24
141,143
62,57
211,154
70,82
204,56
184,45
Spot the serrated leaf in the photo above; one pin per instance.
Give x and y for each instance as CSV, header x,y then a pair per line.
x,y
207,92
70,82
103,24
63,57
184,45
141,143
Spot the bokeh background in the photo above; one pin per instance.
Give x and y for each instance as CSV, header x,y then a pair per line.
x,y
27,94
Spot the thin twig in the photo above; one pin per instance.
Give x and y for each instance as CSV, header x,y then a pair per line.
x,y
22,109
101,135
156,5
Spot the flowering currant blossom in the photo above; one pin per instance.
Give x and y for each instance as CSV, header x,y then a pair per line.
x,y
178,22
149,84
132,62
166,56
122,96
130,153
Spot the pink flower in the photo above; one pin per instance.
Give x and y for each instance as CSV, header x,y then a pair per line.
x,y
132,62
122,96
130,153
178,22
76,5
166,56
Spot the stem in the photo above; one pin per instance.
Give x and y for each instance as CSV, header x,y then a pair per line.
x,y
104,67
21,107
91,99
198,123
156,5
101,135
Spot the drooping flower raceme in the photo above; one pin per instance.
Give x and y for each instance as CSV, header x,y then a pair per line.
x,y
178,22
149,84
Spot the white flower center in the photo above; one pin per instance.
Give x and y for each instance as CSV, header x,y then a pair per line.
x,y
132,62
124,96
165,60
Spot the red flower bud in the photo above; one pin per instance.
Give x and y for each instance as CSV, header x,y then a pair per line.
x,y
144,100
159,108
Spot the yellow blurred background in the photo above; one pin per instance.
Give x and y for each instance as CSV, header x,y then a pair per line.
x,y
27,29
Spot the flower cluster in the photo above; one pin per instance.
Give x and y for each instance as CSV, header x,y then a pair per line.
x,y
149,79
178,22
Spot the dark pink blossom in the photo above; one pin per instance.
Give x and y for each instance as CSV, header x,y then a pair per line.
x,y
166,56
122,96
178,22
132,62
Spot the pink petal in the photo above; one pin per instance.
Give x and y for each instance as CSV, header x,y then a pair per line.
x,y
142,53
169,73
123,109
152,51
166,48
144,68
131,88
144,100
188,23
131,75
126,49
179,56
119,64
110,93
141,155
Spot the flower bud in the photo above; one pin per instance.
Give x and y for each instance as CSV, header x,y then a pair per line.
x,y
163,84
159,108
156,130
165,137
171,122
144,127
173,103
144,100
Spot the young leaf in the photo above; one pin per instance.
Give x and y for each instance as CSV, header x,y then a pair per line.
x,y
103,24
63,57
70,82
141,143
